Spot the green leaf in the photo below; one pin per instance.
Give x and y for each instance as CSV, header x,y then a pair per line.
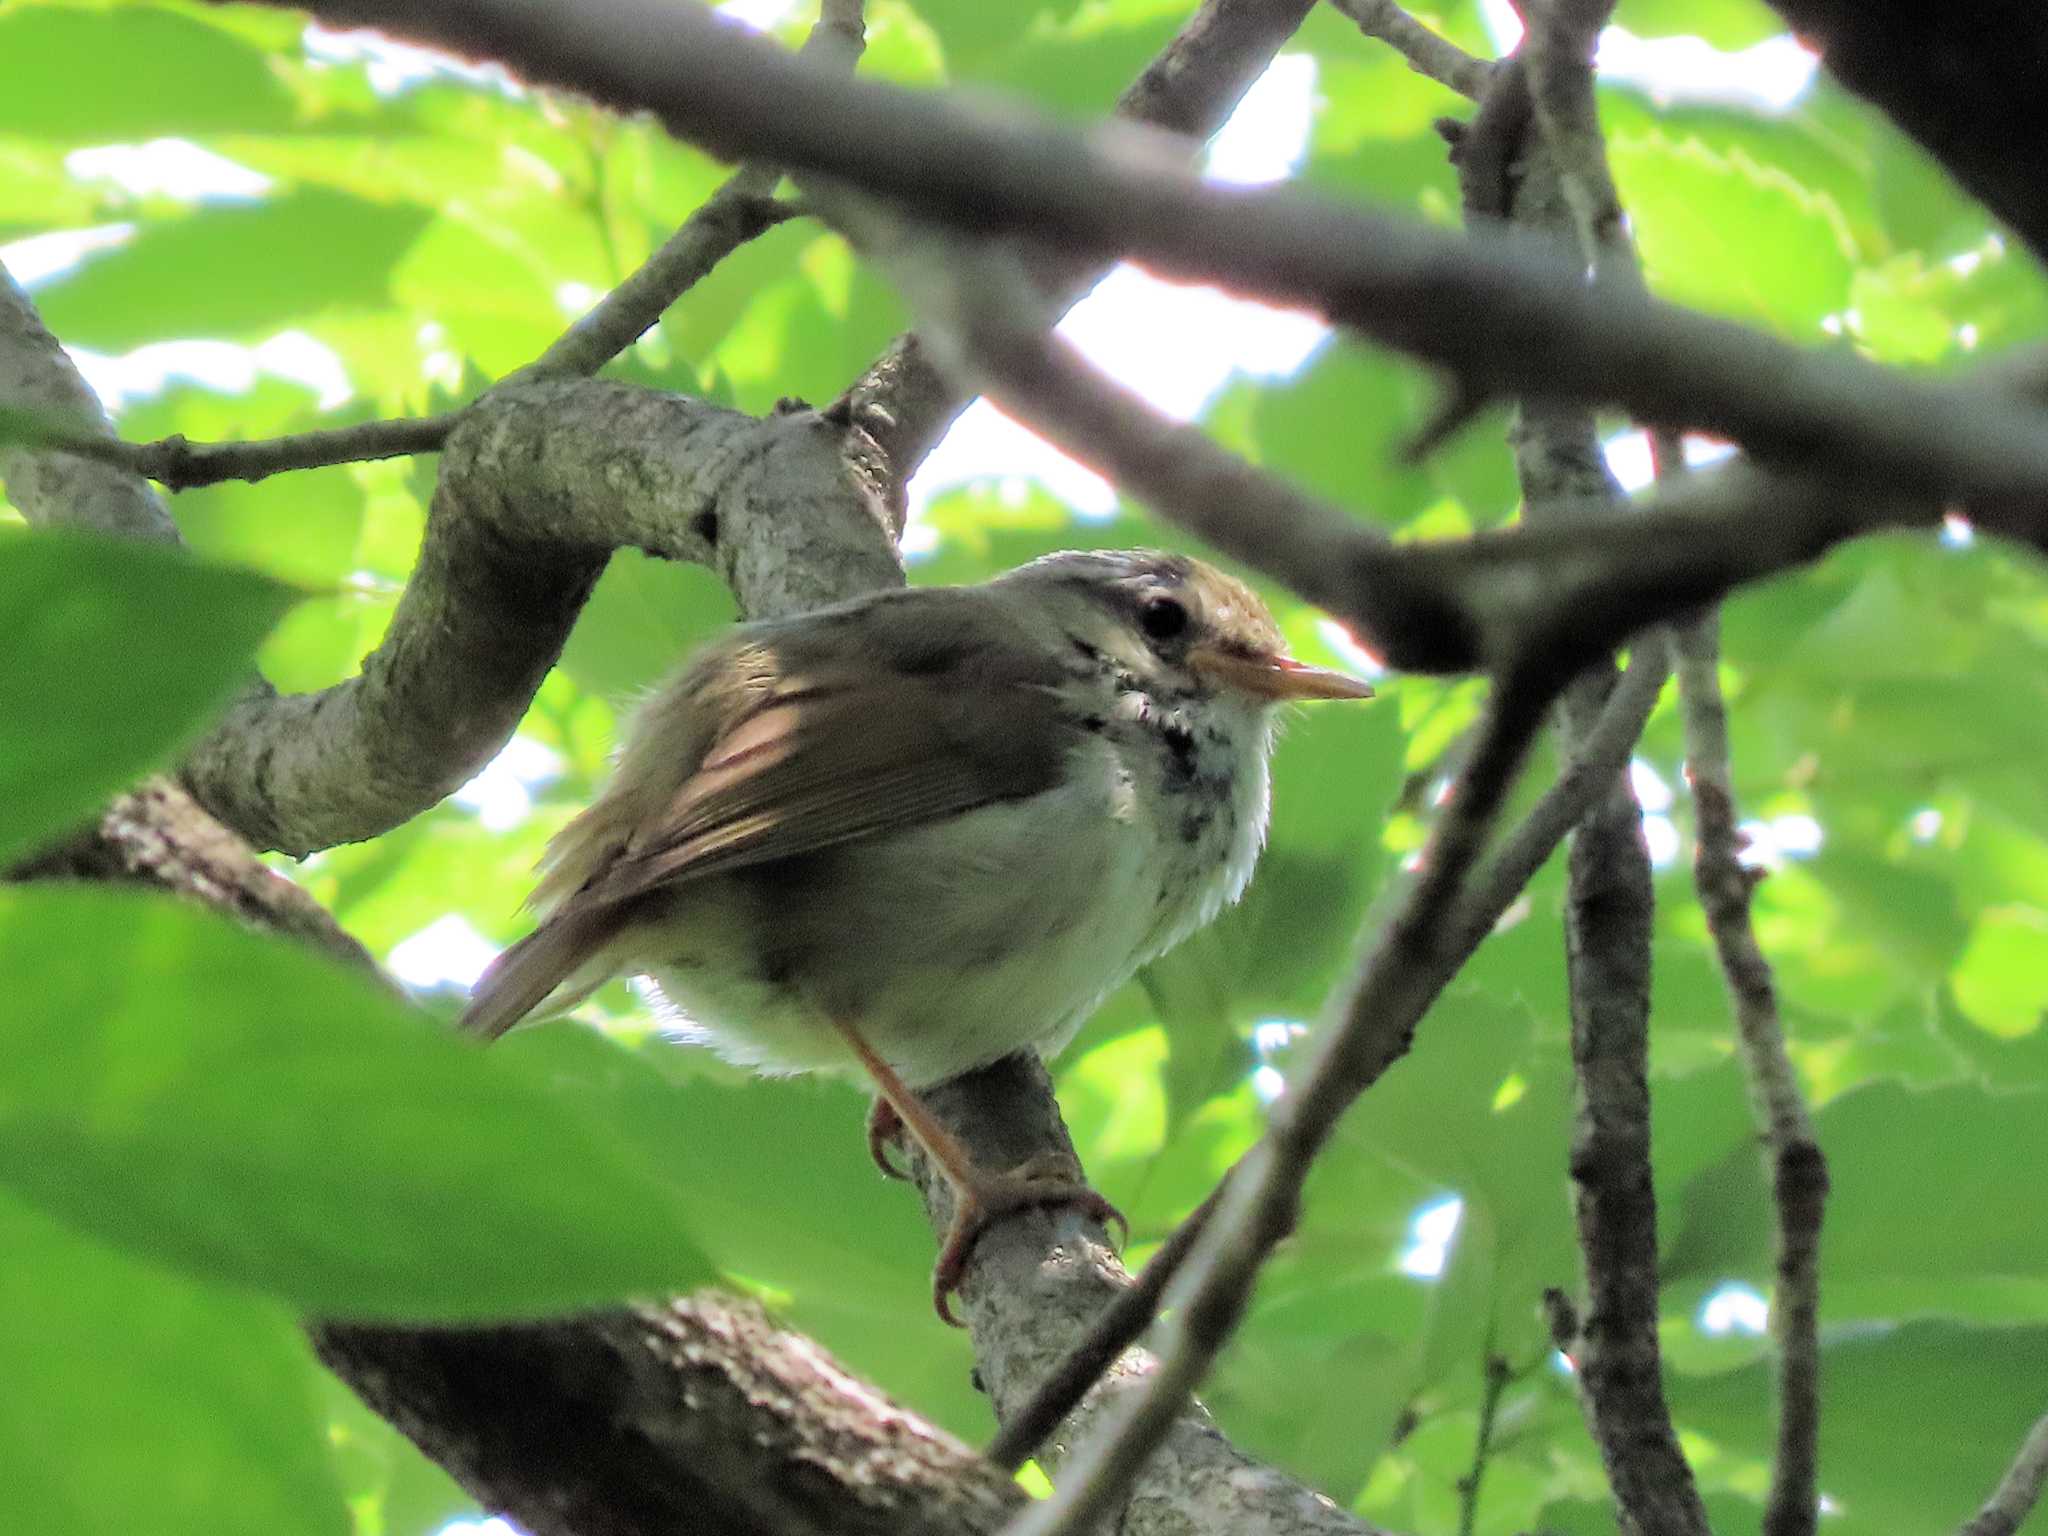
x,y
1919,1423
777,1186
2000,982
1727,24
131,73
139,1401
242,1109
643,618
1890,1149
1719,230
234,271
117,654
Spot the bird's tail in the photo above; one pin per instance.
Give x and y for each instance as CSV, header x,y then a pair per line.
x,y
560,964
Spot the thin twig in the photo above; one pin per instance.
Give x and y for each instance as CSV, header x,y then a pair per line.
x,y
1601,753
2018,1491
1427,52
1399,981
1792,1154
1188,90
728,219
179,464
1495,1374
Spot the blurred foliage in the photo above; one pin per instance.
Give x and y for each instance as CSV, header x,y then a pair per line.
x,y
180,1151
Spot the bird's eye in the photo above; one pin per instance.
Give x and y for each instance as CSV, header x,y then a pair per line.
x,y
1162,618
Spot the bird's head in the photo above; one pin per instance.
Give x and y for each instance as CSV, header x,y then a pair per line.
x,y
1179,627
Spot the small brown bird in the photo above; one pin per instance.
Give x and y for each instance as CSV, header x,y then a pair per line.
x,y
921,830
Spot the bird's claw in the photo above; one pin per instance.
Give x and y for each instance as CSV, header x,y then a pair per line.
x,y
1049,1179
885,1130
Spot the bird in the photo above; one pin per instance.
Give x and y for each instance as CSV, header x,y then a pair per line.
x,y
918,831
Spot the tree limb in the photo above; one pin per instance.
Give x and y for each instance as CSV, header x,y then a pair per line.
x,y
1509,317
537,486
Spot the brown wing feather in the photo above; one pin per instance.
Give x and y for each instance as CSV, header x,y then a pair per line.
x,y
837,762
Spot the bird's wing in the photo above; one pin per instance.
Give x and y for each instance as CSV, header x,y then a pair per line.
x,y
841,751
784,741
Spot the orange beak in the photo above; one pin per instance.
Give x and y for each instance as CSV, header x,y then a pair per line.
x,y
1276,677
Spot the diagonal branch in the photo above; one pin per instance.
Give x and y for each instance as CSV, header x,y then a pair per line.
x,y
1602,754
2017,1492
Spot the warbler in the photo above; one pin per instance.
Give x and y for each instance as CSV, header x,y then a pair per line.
x,y
923,829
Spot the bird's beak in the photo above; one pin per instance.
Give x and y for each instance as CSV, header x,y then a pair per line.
x,y
1275,677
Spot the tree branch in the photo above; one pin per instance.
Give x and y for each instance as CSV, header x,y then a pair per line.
x,y
1604,753
1964,80
1511,318
1495,1374
2017,1492
903,399
538,484
1792,1155
1609,905
1426,52
738,211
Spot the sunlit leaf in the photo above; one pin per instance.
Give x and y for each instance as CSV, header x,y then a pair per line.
x,y
117,655
245,1111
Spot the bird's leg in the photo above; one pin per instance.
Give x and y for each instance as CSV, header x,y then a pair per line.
x,y
885,1130
979,1197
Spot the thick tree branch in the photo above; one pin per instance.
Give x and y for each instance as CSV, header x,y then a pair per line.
x,y
1964,80
1509,317
538,485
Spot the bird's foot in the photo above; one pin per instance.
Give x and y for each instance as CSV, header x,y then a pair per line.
x,y
1048,1179
885,1130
